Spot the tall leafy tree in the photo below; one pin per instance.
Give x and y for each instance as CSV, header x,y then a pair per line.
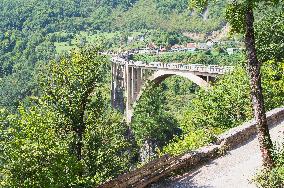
x,y
270,33
240,14
70,136
70,84
152,125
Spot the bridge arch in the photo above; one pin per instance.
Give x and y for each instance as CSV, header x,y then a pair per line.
x,y
161,75
157,78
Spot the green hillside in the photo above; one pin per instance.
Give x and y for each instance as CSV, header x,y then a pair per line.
x,y
33,31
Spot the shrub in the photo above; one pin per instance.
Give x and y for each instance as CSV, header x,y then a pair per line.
x,y
273,178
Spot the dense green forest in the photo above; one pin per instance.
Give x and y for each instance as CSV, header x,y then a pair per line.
x,y
57,128
30,32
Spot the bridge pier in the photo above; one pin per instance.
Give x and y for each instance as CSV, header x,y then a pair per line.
x,y
134,80
128,90
113,84
117,88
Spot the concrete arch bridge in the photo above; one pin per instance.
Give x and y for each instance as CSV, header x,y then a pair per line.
x,y
129,77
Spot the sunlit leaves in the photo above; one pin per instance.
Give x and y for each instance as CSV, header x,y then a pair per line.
x,y
227,105
235,14
35,151
273,84
198,4
270,35
151,122
235,10
70,83
38,146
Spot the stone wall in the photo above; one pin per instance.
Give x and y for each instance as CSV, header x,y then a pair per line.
x,y
166,165
241,134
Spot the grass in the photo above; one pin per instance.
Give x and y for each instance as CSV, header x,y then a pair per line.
x,y
62,47
90,39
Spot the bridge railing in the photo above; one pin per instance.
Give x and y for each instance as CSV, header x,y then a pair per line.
x,y
213,69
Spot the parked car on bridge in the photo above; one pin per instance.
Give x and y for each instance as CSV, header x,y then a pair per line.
x,y
140,63
215,69
156,64
176,65
198,67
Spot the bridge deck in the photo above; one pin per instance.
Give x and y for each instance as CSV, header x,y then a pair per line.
x,y
195,68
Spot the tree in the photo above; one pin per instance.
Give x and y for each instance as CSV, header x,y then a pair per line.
x,y
152,126
256,89
69,85
68,137
269,34
241,17
34,152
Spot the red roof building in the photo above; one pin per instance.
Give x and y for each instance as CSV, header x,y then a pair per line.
x,y
191,45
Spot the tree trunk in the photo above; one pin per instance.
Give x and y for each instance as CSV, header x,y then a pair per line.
x,y
256,91
79,146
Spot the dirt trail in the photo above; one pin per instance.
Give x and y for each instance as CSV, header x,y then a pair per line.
x,y
234,170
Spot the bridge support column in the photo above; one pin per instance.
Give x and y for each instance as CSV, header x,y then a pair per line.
x,y
129,83
133,84
134,81
139,81
117,88
113,83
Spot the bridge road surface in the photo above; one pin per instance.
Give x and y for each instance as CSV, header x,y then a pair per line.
x,y
234,170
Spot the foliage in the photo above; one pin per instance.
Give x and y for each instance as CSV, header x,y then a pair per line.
x,y
167,38
33,31
37,150
191,58
273,91
188,142
107,153
240,15
179,93
151,122
168,6
15,88
226,105
273,178
168,15
36,153
69,137
39,146
69,85
273,82
235,10
269,34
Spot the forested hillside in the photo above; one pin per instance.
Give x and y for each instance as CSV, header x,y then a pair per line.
x,y
30,29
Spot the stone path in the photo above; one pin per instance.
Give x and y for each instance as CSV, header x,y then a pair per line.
x,y
234,170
